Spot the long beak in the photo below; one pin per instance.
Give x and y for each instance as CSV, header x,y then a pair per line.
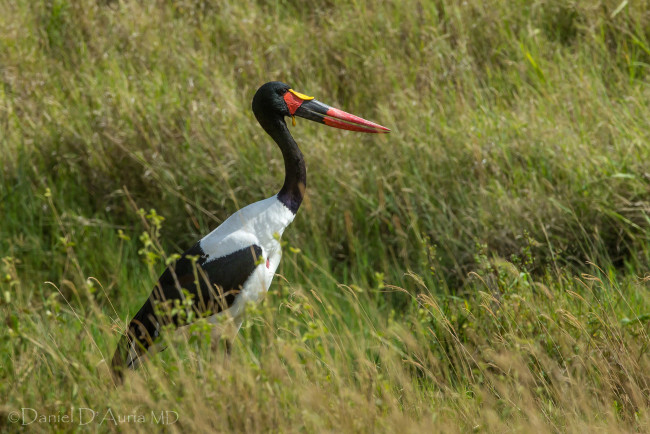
x,y
317,111
309,108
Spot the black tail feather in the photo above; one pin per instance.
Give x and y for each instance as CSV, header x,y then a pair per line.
x,y
135,343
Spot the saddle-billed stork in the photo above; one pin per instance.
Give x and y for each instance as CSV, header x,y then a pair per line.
x,y
235,263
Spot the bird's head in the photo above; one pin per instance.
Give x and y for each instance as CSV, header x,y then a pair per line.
x,y
279,100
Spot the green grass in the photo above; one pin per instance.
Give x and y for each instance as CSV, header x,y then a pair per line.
x,y
482,268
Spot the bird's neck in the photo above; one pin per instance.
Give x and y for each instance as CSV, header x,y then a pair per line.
x,y
295,178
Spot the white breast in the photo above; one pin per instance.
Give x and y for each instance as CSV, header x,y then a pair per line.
x,y
261,223
258,223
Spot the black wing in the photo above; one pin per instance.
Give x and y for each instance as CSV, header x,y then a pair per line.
x,y
212,284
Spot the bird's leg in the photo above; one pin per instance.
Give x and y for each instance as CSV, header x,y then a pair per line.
x,y
216,333
235,329
227,331
217,337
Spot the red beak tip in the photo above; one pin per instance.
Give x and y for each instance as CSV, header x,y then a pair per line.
x,y
381,129
339,119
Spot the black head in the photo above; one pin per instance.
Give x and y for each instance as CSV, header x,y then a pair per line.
x,y
269,101
275,100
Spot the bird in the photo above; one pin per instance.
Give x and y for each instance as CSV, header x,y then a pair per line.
x,y
236,262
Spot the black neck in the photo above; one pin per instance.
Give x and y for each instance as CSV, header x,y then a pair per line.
x,y
295,178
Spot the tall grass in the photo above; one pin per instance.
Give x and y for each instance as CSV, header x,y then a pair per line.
x,y
483,267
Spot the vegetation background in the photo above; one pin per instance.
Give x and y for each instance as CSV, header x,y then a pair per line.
x,y
485,267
